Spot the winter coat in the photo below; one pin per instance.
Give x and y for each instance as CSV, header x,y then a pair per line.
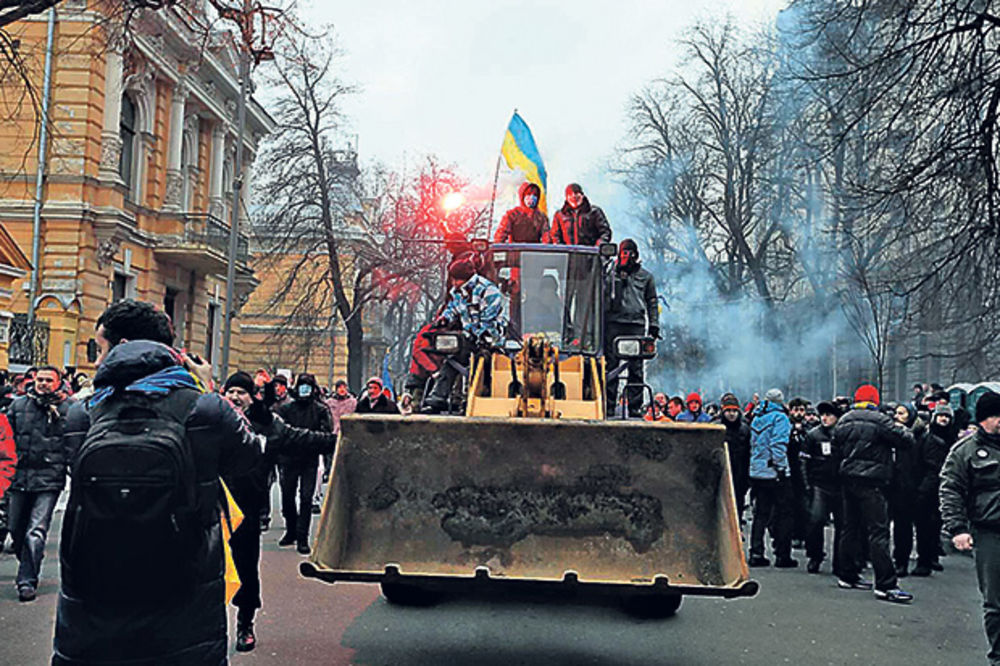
x,y
866,438
687,416
769,433
522,224
250,490
820,459
632,297
340,406
8,454
42,456
192,629
970,484
929,455
586,225
738,439
382,406
309,414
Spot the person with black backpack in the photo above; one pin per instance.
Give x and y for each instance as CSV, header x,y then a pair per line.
x,y
141,551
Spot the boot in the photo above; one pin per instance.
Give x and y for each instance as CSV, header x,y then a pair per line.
x,y
245,638
287,540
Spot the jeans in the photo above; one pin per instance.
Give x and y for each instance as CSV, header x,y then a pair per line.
x,y
987,553
772,510
300,477
30,517
865,506
825,501
634,370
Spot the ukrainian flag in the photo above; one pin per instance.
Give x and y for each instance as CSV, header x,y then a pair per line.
x,y
520,152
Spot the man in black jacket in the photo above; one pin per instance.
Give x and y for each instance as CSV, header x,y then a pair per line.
x,y
297,470
375,401
578,222
970,508
866,437
821,463
931,450
37,420
190,628
250,492
738,440
631,309
903,490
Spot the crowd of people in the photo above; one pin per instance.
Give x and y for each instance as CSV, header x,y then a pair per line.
x,y
870,469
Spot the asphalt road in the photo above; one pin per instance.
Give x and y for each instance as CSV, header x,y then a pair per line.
x,y
796,619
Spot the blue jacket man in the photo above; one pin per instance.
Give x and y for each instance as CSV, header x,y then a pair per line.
x,y
769,434
769,483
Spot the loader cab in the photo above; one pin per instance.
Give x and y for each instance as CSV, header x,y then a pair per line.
x,y
553,291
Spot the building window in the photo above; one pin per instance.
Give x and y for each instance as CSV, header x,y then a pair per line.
x,y
122,286
127,133
170,307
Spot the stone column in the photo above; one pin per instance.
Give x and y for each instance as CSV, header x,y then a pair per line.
x,y
111,142
175,179
216,204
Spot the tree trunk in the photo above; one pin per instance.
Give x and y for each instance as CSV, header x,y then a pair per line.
x,y
355,352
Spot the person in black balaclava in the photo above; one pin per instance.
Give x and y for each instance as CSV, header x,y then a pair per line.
x,y
524,223
297,471
631,310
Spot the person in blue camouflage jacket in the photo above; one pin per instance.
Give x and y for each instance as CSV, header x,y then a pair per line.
x,y
476,306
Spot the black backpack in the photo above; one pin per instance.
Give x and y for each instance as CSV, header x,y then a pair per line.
x,y
133,526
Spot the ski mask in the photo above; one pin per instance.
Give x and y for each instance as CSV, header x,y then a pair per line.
x,y
531,200
304,392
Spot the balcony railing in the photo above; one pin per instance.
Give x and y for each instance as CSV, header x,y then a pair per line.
x,y
210,231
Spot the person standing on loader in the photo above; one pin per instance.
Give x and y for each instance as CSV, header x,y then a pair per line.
x,y
524,223
578,222
631,310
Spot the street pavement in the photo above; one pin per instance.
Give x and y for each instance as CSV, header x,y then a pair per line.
x,y
796,619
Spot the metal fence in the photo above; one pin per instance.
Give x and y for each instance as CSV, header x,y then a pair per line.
x,y
209,230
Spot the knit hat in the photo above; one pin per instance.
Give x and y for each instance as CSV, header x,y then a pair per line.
x,y
573,187
775,395
827,407
798,402
281,379
340,382
374,380
693,397
866,393
729,400
988,405
462,268
240,380
944,408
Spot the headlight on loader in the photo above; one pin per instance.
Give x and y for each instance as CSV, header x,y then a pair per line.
x,y
447,343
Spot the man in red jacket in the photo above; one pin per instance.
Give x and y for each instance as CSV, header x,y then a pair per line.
x,y
525,223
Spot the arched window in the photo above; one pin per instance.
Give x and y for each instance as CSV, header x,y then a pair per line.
x,y
127,134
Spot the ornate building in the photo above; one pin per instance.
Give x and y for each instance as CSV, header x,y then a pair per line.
x,y
138,175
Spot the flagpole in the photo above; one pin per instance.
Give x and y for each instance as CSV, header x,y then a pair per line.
x,y
496,179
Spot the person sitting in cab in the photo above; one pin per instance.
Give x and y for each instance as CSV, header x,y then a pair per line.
x,y
476,305
524,223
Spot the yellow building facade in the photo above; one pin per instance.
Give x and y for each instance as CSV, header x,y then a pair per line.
x,y
138,177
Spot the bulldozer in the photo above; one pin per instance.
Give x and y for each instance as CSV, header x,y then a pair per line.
x,y
532,485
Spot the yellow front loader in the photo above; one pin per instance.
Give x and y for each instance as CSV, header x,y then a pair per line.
x,y
533,487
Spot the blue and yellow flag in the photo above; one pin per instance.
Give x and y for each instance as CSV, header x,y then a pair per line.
x,y
521,153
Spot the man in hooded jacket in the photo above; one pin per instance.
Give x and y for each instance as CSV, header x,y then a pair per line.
x,y
189,629
578,222
631,309
297,470
524,223
738,439
931,451
770,485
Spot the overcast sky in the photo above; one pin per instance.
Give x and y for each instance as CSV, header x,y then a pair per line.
x,y
442,77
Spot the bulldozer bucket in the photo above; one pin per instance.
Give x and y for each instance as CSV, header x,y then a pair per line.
x,y
585,503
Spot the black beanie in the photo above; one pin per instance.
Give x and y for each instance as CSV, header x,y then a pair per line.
x,y
462,268
240,380
988,405
573,187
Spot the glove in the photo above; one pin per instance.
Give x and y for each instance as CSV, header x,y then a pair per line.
x,y
259,414
270,395
654,332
